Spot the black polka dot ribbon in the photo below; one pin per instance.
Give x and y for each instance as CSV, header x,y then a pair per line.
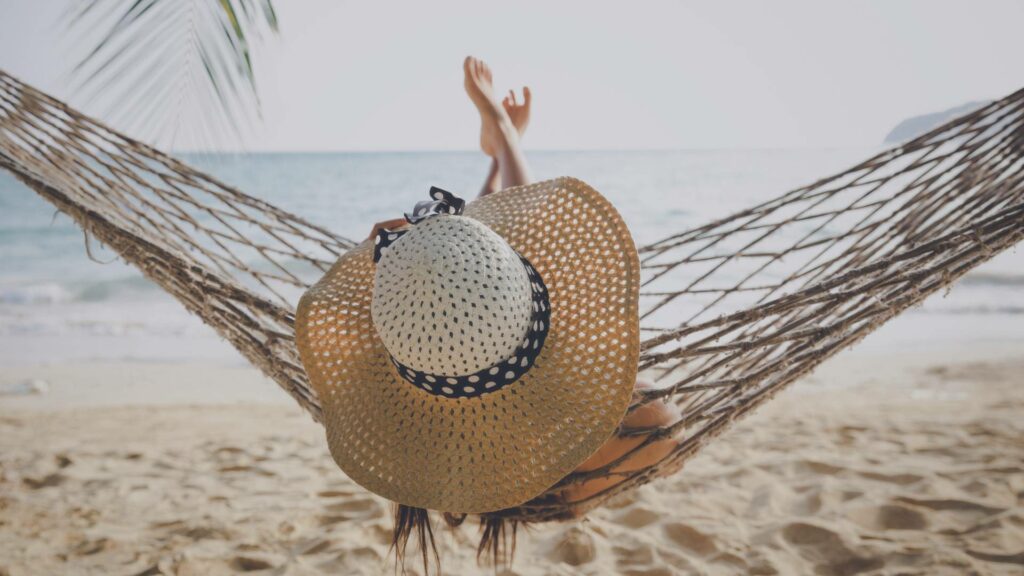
x,y
441,202
384,239
496,377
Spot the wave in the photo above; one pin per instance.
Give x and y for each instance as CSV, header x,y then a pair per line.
x,y
48,293
130,286
53,293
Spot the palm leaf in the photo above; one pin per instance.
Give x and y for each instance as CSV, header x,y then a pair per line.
x,y
171,71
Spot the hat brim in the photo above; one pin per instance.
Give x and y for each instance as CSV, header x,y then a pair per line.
x,y
500,449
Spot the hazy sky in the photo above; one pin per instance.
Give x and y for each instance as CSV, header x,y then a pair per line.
x,y
387,75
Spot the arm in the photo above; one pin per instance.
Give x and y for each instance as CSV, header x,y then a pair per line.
x,y
389,224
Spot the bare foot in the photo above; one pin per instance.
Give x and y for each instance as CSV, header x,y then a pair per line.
x,y
518,112
494,120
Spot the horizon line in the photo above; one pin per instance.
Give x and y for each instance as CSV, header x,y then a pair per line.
x,y
533,150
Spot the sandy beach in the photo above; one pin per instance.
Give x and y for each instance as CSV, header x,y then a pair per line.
x,y
876,464
717,194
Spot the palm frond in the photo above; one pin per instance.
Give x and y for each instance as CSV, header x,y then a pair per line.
x,y
171,71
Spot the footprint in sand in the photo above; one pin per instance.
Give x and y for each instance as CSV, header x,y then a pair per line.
x,y
227,452
817,467
847,495
245,468
952,504
167,524
638,517
889,517
807,504
681,563
48,481
575,549
900,479
361,506
90,547
191,531
635,555
648,571
691,539
826,550
250,563
1017,558
205,533
353,509
809,535
311,546
354,561
334,493
736,564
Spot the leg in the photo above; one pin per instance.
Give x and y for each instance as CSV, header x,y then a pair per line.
x,y
501,126
511,160
493,181
650,418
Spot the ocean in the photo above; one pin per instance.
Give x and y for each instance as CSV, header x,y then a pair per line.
x,y
58,305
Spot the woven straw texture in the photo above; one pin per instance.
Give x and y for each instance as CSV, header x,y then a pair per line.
x,y
500,449
451,297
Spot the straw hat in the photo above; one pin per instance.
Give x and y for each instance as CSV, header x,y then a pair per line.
x,y
471,360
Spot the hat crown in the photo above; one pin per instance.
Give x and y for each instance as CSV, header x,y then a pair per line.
x,y
451,297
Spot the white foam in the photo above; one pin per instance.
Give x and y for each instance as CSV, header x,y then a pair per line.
x,y
34,294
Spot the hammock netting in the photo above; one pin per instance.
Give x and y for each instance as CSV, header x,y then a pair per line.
x,y
732,311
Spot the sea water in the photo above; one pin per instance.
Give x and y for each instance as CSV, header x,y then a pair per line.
x,y
58,303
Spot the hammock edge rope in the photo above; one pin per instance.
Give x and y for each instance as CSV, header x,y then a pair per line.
x,y
140,202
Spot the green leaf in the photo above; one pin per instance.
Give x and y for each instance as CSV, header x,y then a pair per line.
x,y
154,67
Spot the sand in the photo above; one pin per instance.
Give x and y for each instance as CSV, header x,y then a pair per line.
x,y
874,465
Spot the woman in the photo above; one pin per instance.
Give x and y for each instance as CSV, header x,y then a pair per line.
x,y
429,346
501,129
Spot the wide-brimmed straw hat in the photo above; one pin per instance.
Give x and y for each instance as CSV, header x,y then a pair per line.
x,y
468,362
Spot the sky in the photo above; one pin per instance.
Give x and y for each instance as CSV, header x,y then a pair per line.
x,y
347,75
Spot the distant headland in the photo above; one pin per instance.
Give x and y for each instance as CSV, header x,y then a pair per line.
x,y
916,125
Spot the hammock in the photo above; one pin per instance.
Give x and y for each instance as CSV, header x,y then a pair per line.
x,y
732,311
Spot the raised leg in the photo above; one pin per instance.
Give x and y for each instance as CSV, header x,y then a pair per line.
x,y
501,127
492,183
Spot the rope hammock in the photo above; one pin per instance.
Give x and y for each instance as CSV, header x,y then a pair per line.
x,y
732,311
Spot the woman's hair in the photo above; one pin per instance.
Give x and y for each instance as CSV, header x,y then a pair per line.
x,y
497,538
407,521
